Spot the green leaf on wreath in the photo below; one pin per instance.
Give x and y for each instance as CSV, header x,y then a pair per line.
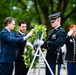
x,y
29,54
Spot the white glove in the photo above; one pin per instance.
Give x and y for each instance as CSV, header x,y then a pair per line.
x,y
64,48
40,42
70,33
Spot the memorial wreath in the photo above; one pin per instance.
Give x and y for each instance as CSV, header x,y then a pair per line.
x,y
31,44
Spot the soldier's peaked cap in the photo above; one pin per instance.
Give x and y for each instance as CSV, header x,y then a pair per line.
x,y
71,28
54,16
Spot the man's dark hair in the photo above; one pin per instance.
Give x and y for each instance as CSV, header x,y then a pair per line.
x,y
8,20
21,22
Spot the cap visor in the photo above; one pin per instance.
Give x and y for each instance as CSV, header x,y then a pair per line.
x,y
52,21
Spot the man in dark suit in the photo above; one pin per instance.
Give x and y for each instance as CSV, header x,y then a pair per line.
x,y
54,42
8,46
20,67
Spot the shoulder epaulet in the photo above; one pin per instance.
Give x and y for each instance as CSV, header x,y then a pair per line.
x,y
62,30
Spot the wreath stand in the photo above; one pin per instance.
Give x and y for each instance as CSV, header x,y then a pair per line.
x,y
38,53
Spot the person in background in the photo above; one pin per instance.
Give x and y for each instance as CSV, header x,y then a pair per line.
x,y
8,46
71,50
56,39
20,67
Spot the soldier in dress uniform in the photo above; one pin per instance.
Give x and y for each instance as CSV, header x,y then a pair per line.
x,y
71,50
56,39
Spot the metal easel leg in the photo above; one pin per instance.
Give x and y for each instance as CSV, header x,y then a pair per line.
x,y
32,62
40,52
39,65
46,62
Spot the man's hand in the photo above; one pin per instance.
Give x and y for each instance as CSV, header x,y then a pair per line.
x,y
29,34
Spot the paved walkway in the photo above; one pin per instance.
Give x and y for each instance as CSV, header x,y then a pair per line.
x,y
42,71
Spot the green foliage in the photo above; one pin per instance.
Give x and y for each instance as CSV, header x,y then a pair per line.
x,y
39,29
4,11
37,11
29,51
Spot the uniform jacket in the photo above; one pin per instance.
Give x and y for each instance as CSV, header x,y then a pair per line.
x,y
8,45
70,56
20,48
55,40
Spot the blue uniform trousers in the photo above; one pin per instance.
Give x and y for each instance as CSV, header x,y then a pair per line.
x,y
53,67
6,69
71,68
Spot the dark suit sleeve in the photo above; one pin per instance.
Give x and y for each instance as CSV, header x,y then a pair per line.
x,y
10,39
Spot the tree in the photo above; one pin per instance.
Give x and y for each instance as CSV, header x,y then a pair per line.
x,y
66,7
4,11
37,11
41,9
